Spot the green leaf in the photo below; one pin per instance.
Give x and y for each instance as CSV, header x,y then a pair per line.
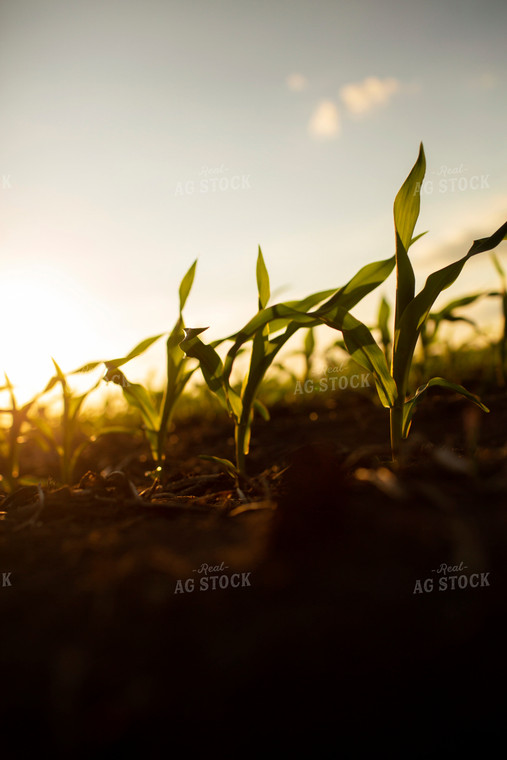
x,y
137,351
384,313
224,464
211,368
406,212
500,270
186,285
296,314
410,406
45,429
77,453
309,343
363,349
75,403
59,374
114,429
407,203
488,243
446,314
87,367
276,324
262,281
363,282
417,311
139,397
261,409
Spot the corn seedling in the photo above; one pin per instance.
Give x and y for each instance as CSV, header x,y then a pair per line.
x,y
156,417
384,314
411,314
67,445
270,321
308,352
13,437
431,327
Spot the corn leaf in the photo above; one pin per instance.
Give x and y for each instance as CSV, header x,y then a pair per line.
x,y
407,205
418,309
211,368
410,406
262,281
500,270
139,397
186,285
137,351
113,363
296,314
363,282
309,343
224,464
262,410
384,313
363,349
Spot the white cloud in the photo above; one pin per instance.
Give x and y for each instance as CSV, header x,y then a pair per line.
x,y
485,81
325,121
297,82
362,97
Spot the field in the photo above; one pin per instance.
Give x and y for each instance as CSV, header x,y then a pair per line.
x,y
321,555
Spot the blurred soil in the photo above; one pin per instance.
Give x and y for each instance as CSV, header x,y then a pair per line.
x,y
324,645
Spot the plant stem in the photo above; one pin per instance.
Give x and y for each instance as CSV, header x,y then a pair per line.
x,y
240,434
396,425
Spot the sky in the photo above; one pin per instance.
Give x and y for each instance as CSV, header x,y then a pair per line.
x,y
136,137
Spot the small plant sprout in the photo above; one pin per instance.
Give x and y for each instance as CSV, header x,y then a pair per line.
x,y
449,313
269,330
307,351
67,445
12,438
156,417
411,314
384,314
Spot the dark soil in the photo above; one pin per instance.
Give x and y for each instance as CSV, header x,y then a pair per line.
x,y
325,644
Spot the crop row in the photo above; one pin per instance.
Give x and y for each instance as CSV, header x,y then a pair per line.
x,y
389,361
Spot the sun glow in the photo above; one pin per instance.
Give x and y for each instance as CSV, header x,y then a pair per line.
x,y
43,314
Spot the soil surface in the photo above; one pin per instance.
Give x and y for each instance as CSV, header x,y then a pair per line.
x,y
336,601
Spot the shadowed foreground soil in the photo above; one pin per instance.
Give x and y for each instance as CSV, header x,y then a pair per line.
x,y
322,645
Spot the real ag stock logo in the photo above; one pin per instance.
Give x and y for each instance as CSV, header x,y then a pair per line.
x,y
451,578
212,578
337,382
452,179
213,179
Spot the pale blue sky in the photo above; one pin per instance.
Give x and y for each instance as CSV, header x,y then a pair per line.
x,y
307,114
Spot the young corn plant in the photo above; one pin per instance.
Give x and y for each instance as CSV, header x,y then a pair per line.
x,y
13,437
269,330
431,327
308,353
411,314
67,440
156,417
384,314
